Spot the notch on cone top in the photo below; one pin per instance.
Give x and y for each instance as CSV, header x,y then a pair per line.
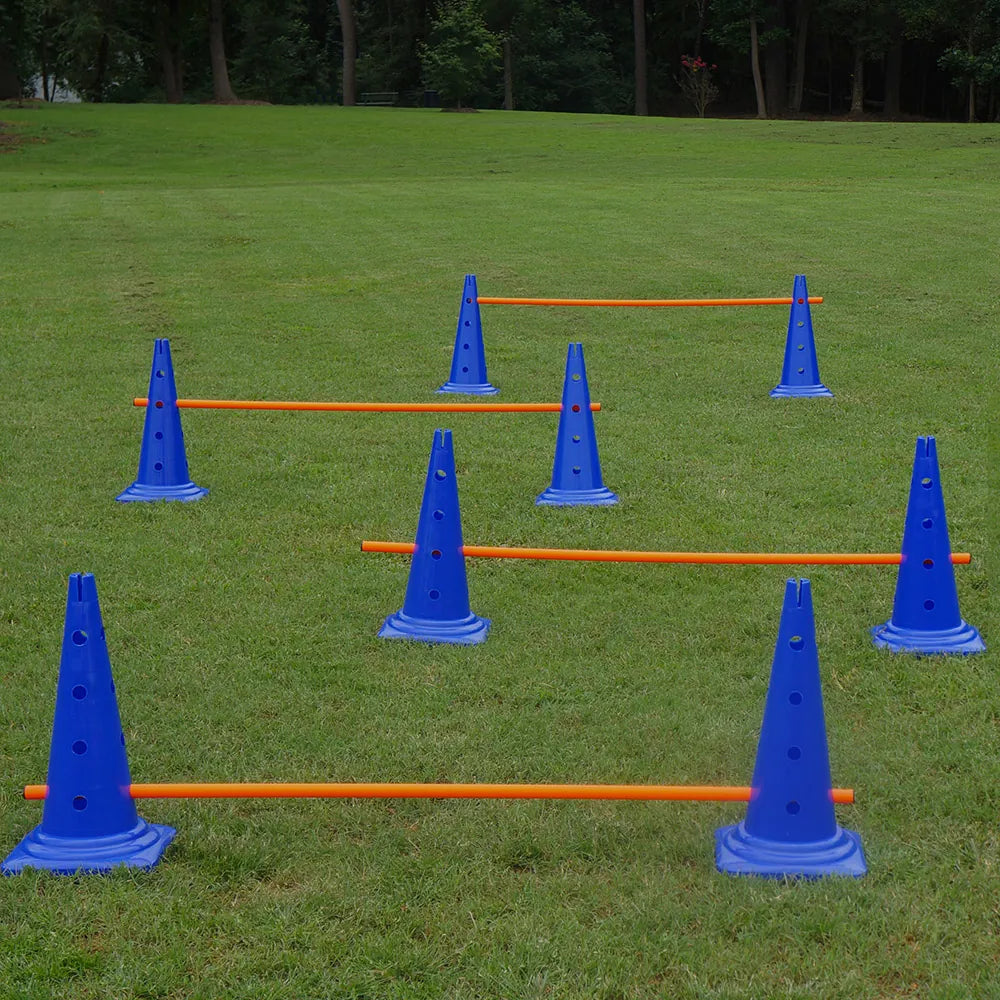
x,y
436,607
89,821
925,612
576,470
468,360
790,829
163,467
800,369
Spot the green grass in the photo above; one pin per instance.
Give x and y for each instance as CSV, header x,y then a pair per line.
x,y
319,254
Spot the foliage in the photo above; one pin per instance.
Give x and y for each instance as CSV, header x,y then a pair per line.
x,y
562,61
461,54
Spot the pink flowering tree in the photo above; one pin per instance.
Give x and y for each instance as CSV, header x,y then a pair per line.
x,y
696,82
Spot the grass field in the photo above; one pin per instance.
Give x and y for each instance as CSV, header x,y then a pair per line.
x,y
318,253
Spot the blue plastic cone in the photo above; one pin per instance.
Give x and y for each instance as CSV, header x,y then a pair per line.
x,y
468,361
576,471
925,613
163,467
89,822
800,371
436,607
790,828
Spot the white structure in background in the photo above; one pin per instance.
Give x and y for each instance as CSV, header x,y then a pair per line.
x,y
62,95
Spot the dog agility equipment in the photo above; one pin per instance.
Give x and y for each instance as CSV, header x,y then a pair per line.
x,y
89,823
699,558
494,300
261,404
468,362
436,607
576,470
790,828
163,467
925,613
800,370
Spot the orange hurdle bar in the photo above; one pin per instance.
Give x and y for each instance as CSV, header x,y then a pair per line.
x,y
492,300
255,404
403,790
709,558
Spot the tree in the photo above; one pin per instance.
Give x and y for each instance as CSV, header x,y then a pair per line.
x,y
348,32
221,88
738,27
460,53
639,35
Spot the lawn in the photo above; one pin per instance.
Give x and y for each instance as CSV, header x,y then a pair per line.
x,y
319,253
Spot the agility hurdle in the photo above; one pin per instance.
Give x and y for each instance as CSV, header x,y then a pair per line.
x,y
90,824
496,300
255,404
800,368
697,558
163,466
439,790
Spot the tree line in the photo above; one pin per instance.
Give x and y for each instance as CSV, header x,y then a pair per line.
x,y
769,58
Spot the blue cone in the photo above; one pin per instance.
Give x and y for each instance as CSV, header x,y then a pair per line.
x,y
163,467
790,829
468,361
576,472
89,822
800,372
925,613
436,607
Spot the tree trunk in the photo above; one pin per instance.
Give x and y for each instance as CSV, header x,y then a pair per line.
x,y
758,83
349,34
893,78
702,14
221,88
799,66
171,62
508,75
10,83
100,68
639,31
858,81
776,64
972,100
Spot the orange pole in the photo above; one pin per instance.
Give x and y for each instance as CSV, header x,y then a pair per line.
x,y
710,558
257,404
492,300
404,790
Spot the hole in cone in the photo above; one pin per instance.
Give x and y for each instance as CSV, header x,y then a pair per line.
x,y
79,637
440,474
795,698
796,642
438,515
80,747
792,808
79,803
927,482
794,753
79,692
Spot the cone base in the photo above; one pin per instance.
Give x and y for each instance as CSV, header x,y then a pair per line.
x,y
552,497
738,852
783,391
470,388
147,493
962,640
461,631
141,847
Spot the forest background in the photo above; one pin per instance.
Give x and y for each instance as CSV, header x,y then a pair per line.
x,y
898,59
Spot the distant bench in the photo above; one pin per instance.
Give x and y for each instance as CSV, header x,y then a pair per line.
x,y
379,98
